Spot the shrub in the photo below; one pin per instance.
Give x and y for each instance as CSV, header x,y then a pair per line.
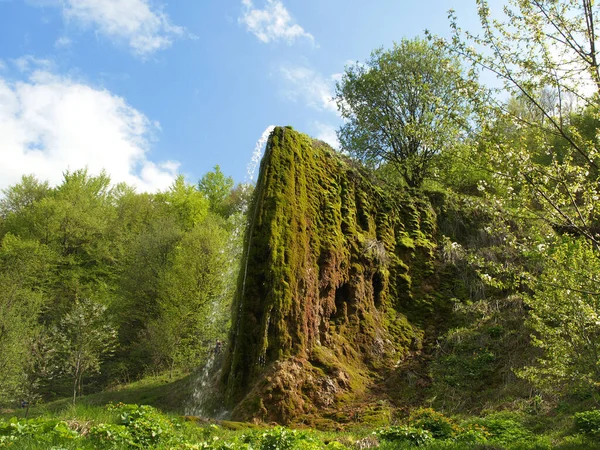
x,y
415,436
138,426
588,422
280,438
41,429
505,429
111,433
473,434
440,426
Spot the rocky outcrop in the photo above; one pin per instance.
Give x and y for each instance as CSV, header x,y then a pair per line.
x,y
326,300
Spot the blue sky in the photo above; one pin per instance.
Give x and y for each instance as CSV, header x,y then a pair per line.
x,y
147,89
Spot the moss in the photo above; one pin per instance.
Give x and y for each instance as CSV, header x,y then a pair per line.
x,y
377,415
332,264
237,426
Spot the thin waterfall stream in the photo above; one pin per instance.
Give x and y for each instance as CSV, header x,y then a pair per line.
x,y
202,401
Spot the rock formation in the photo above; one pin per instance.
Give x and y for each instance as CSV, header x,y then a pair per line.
x,y
327,299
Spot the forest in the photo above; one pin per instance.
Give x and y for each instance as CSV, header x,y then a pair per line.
x,y
440,271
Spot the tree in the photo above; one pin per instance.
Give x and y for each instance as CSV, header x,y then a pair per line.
x,y
24,266
217,187
186,202
143,268
543,145
17,206
22,195
403,107
545,54
82,338
565,315
194,309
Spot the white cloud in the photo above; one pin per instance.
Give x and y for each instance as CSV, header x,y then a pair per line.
x,y
273,23
313,88
29,63
50,123
327,133
63,42
144,29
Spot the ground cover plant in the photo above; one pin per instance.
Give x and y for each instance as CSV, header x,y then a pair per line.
x,y
124,426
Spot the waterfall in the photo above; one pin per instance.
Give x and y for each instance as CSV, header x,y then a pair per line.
x,y
252,166
204,396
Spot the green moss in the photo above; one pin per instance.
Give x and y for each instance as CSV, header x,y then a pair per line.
x,y
331,262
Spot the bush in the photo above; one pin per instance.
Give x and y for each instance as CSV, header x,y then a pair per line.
x,y
440,426
280,438
473,434
504,429
588,422
138,426
412,435
42,430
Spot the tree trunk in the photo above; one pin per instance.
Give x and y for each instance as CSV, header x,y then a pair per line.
x,y
74,389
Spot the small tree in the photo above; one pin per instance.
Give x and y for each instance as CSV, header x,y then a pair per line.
x,y
565,314
82,338
403,107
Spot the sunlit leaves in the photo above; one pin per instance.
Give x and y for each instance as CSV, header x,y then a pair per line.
x,y
403,106
565,314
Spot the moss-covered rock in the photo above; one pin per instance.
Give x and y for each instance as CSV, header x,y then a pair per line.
x,y
329,293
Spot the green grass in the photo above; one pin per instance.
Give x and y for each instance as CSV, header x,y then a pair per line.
x,y
91,424
153,429
169,395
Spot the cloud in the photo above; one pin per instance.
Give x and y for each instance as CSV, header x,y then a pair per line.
x,y
273,23
51,123
144,29
326,133
63,42
310,86
29,63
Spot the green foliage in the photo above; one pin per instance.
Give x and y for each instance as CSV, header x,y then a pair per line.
x,y
539,149
426,425
217,188
480,355
24,268
187,203
138,427
17,203
133,426
588,422
440,426
134,254
192,310
83,337
413,435
280,438
144,265
565,311
504,428
42,429
404,106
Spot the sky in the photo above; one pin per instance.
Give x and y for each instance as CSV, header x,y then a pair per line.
x,y
148,89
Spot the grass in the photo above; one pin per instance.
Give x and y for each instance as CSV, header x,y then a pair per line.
x,y
518,431
165,393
